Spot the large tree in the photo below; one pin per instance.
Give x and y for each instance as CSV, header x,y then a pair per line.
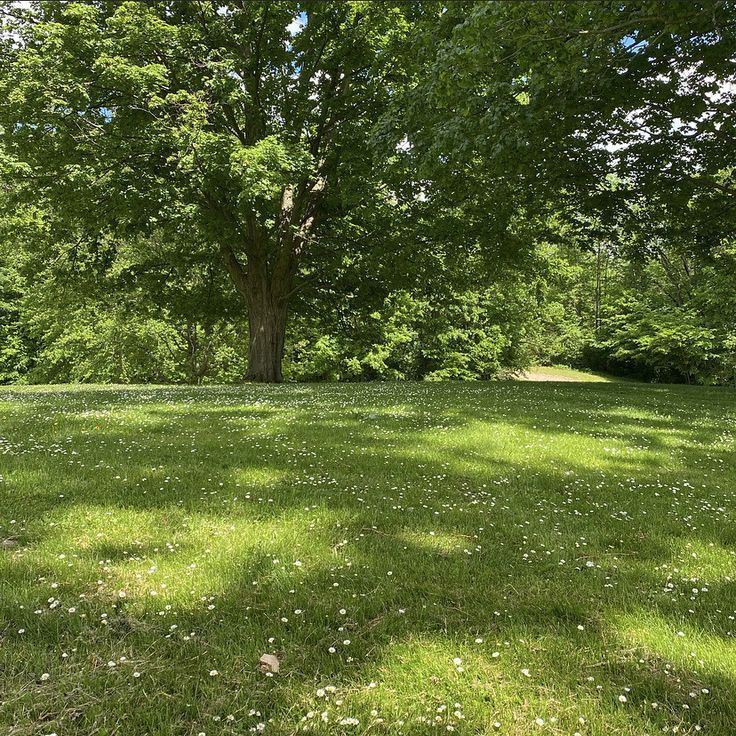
x,y
241,127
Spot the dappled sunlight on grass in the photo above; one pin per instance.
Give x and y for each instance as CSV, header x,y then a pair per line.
x,y
483,446
703,562
685,646
140,556
437,542
417,557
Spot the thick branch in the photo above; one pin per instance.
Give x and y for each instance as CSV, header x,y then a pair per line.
x,y
235,269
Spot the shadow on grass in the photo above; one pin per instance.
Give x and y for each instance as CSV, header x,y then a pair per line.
x,y
425,545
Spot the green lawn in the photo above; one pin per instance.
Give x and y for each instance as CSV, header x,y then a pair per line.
x,y
520,558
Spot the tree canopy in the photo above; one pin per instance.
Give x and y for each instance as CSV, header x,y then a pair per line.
x,y
210,161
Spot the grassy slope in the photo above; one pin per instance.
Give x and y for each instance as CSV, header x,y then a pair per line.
x,y
442,555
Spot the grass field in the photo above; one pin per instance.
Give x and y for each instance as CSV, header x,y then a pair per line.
x,y
518,558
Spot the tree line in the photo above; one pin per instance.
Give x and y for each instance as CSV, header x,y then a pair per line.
x,y
207,191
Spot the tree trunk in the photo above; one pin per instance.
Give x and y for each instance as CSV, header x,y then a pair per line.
x,y
267,310
266,287
267,330
266,297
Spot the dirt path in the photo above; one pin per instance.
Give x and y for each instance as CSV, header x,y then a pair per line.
x,y
542,375
570,375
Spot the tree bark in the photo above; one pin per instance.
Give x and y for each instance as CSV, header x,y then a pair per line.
x,y
267,331
267,295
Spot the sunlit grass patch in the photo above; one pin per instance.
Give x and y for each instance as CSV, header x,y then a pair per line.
x,y
563,373
702,562
688,646
442,543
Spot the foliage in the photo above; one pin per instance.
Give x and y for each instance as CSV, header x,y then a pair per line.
x,y
425,190
678,323
462,335
17,353
556,100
